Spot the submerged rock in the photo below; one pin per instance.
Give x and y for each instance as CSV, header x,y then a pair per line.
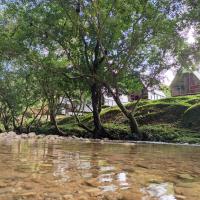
x,y
180,197
68,197
3,185
28,195
186,177
94,191
142,166
163,191
91,183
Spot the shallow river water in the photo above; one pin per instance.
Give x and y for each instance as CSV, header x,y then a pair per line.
x,y
37,169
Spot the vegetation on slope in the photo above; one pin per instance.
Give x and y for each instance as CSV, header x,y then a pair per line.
x,y
173,119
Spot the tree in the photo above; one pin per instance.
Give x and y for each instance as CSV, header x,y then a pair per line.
x,y
116,39
105,42
17,94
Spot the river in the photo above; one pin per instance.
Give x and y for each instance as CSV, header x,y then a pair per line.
x,y
39,169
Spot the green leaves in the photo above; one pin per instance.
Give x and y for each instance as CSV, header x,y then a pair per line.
x,y
70,45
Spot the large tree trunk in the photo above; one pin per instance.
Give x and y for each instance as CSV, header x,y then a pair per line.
x,y
99,131
100,96
132,121
54,122
52,117
134,126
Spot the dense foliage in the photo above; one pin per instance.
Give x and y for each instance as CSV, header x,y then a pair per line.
x,y
80,50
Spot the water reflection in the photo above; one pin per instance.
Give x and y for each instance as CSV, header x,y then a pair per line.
x,y
37,169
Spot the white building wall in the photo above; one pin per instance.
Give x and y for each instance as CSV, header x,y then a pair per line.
x,y
156,95
109,101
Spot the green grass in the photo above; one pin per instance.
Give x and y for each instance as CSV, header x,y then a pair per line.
x,y
174,119
169,110
168,133
191,117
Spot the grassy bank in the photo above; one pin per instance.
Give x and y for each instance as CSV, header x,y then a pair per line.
x,y
167,120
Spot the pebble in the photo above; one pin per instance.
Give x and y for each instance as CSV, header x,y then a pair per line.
x,y
142,166
185,176
94,191
68,197
3,185
83,198
91,183
180,197
28,194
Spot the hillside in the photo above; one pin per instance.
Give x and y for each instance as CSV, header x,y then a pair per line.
x,y
175,119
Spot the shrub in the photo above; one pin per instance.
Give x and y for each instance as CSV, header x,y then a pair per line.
x,y
167,133
191,117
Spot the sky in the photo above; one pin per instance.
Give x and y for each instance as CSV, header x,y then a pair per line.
x,y
170,74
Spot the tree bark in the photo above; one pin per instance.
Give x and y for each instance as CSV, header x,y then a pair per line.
x,y
132,121
54,122
99,131
100,100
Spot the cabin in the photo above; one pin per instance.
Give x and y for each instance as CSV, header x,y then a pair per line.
x,y
108,101
150,94
186,82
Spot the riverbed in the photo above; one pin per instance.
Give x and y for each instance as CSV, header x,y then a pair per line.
x,y
52,169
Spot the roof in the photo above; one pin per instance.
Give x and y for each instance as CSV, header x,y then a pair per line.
x,y
181,72
197,74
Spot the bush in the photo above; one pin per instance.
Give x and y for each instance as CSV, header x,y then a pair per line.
x,y
118,132
191,117
167,133
160,133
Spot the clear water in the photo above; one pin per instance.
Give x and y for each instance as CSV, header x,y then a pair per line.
x,y
38,169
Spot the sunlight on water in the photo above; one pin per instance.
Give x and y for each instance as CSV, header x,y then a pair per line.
x,y
39,169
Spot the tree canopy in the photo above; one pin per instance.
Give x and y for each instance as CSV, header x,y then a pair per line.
x,y
92,46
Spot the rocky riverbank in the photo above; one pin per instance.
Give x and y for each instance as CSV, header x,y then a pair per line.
x,y
10,136
32,135
13,136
